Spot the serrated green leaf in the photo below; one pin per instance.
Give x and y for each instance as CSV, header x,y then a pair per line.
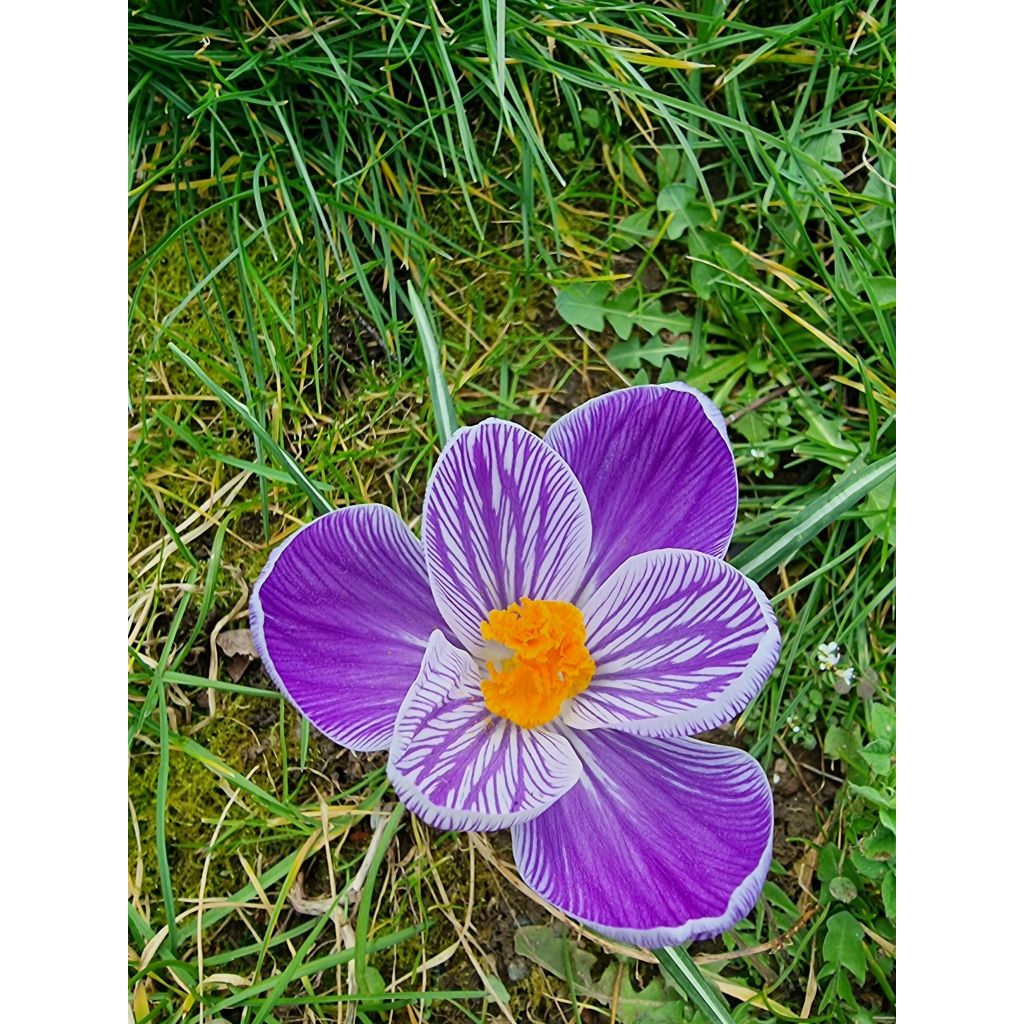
x,y
629,355
702,278
844,944
824,430
582,304
674,198
669,164
753,428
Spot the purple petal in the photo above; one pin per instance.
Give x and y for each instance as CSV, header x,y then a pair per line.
x,y
458,766
657,470
503,518
678,637
660,842
341,616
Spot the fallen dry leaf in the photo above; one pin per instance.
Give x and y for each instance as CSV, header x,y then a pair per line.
x,y
235,642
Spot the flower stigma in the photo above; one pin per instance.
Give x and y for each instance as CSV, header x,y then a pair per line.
x,y
549,662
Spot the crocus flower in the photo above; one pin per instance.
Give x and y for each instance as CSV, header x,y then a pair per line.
x,y
540,660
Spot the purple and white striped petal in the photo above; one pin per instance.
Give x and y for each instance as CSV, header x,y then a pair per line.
x,y
660,842
503,518
341,616
678,637
657,470
458,766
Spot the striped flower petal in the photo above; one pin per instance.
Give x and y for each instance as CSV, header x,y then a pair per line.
x,y
503,518
458,766
341,616
660,842
678,637
657,470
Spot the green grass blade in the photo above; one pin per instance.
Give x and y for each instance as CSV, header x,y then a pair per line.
x,y
785,541
308,487
687,976
163,864
366,897
444,411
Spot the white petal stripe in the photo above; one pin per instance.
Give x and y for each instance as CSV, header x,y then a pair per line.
x,y
679,637
503,518
460,767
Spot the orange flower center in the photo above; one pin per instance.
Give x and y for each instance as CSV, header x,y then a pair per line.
x,y
549,660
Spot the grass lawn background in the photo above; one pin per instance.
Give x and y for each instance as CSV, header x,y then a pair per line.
x,y
585,196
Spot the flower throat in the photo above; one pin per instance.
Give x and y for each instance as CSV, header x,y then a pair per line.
x,y
550,661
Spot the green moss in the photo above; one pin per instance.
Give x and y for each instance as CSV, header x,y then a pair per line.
x,y
196,799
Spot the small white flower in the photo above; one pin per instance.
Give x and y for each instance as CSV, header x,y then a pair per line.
x,y
828,656
847,676
757,453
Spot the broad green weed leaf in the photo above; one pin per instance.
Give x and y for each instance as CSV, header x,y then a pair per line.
x,y
632,230
687,211
652,1005
872,795
843,744
880,509
828,865
582,304
844,944
549,947
881,721
883,290
880,845
827,148
669,165
842,889
867,868
889,895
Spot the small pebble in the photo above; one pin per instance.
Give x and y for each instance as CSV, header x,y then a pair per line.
x,y
518,968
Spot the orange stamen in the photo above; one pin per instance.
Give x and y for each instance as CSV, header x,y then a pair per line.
x,y
549,660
